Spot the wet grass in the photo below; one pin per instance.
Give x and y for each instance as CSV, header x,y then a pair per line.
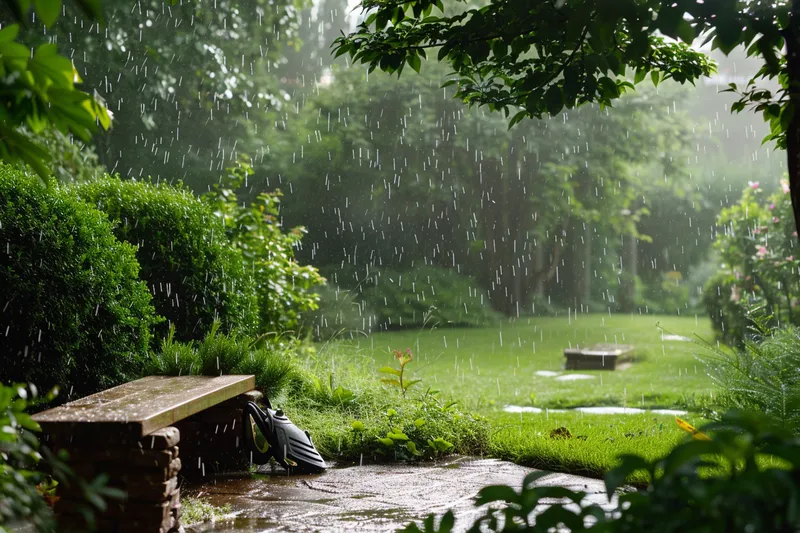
x,y
592,444
485,368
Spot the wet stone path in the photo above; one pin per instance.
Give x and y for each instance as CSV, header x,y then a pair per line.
x,y
370,497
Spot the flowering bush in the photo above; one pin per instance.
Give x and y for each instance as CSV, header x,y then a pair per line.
x,y
757,243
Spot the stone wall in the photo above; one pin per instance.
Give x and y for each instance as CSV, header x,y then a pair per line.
x,y
213,440
147,470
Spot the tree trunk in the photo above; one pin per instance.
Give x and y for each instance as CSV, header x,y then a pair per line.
x,y
793,133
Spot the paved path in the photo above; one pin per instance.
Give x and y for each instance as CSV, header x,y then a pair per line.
x,y
371,497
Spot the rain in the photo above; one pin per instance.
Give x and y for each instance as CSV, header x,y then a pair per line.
x,y
282,275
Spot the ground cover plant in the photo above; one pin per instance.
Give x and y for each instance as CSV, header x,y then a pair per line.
x,y
353,417
73,311
493,367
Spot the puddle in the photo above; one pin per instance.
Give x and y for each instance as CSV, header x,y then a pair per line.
x,y
574,377
608,410
371,497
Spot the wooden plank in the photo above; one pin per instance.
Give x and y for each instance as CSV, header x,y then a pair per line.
x,y
141,407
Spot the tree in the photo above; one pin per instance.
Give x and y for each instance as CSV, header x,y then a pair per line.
x,y
535,58
404,176
38,90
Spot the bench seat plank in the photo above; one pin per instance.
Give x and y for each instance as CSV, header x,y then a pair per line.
x,y
141,407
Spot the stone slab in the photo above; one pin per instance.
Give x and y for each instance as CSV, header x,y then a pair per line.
x,y
140,407
597,356
371,498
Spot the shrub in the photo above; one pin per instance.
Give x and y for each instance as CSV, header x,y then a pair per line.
x,y
272,362
286,289
762,376
424,296
760,263
72,309
744,479
194,274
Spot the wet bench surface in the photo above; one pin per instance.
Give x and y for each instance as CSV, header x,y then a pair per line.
x,y
140,407
598,356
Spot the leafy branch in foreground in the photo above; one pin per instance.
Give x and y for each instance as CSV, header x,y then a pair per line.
x,y
38,90
745,478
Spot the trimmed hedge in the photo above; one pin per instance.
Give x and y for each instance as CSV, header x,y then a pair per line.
x,y
73,311
191,269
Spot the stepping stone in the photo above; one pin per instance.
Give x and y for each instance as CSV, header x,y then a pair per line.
x,y
546,373
598,356
574,377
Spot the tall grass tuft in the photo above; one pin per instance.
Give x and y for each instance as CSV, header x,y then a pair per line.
x,y
763,376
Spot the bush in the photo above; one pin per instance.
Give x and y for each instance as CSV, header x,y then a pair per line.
x,y
194,274
763,376
424,296
286,289
72,309
760,263
272,363
746,478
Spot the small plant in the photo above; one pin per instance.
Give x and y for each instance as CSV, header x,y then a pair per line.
x,y
398,381
439,445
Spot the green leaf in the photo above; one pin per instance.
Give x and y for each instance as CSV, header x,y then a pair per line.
x,y
389,370
414,62
357,425
554,100
9,33
419,422
385,441
617,476
48,10
655,76
389,381
397,436
411,447
447,522
496,493
640,75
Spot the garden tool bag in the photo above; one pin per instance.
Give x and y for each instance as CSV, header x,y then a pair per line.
x,y
271,435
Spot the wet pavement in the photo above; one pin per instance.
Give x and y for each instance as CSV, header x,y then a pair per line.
x,y
370,497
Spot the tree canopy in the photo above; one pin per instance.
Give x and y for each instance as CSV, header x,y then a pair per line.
x,y
535,58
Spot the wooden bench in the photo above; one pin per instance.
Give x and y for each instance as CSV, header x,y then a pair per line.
x,y
598,356
131,433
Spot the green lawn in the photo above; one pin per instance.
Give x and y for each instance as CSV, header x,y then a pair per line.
x,y
491,367
486,369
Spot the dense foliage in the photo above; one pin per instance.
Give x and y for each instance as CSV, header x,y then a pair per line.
x,y
762,376
271,361
39,90
424,295
730,483
29,473
190,267
73,311
285,289
760,264
534,59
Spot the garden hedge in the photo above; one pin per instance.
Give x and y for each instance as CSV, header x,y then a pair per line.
x,y
73,311
192,270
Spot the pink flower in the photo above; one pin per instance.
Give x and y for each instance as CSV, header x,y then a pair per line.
x,y
785,186
775,220
762,251
790,258
771,207
753,184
